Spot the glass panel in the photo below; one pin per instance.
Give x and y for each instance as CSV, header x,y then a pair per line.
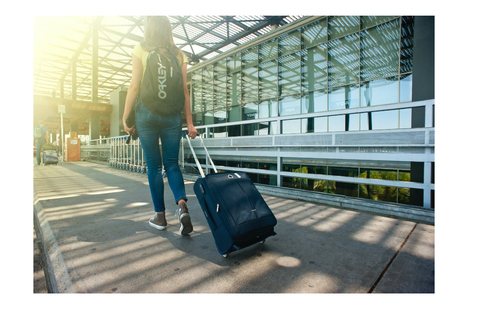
x,y
234,131
315,169
208,73
197,118
385,120
336,123
250,84
209,118
343,188
406,53
378,92
336,98
291,167
233,114
405,118
263,128
289,182
268,108
342,25
268,80
320,124
352,122
305,125
229,90
378,193
269,50
344,56
219,132
250,164
234,164
289,75
234,63
404,176
250,57
370,21
208,101
220,114
197,94
291,126
314,33
234,93
314,102
343,171
249,129
289,105
378,174
250,111
221,91
406,87
343,97
273,127
208,95
404,195
268,179
314,68
289,43
380,51
364,122
221,68
321,186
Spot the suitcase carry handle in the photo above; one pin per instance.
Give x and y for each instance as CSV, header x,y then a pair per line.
x,y
195,156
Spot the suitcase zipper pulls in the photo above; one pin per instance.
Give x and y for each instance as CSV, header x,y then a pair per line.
x,y
218,208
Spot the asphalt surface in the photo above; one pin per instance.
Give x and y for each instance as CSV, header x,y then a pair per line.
x,y
93,222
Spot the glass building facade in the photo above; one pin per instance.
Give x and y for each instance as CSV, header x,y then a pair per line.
x,y
328,75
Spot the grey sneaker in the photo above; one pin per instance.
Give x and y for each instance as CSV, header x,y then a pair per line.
x,y
158,222
184,218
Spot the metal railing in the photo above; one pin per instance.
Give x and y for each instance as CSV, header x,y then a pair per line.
x,y
399,145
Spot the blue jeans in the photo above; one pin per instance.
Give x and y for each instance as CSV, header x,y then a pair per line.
x,y
151,126
38,145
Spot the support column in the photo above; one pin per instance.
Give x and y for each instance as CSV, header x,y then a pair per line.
x,y
74,127
62,86
117,100
95,61
279,168
74,79
94,127
423,88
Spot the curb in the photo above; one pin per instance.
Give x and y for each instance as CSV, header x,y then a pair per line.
x,y
56,272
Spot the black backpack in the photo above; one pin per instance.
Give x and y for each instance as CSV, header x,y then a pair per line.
x,y
162,85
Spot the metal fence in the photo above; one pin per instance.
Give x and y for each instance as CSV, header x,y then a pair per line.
x,y
403,146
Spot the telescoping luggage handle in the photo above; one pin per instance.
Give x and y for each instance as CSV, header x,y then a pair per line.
x,y
195,156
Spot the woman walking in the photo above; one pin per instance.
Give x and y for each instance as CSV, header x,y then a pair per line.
x,y
151,125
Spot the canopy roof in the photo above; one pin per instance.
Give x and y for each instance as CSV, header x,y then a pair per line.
x,y
63,45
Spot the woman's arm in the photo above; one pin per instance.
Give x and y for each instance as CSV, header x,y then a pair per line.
x,y
192,132
133,90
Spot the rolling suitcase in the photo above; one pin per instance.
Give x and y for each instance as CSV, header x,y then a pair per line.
x,y
50,157
236,212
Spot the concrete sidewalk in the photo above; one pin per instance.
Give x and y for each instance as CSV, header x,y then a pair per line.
x,y
93,220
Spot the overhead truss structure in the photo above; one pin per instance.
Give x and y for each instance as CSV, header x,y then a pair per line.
x,y
86,58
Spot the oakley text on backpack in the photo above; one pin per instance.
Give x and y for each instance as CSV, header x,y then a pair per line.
x,y
162,85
